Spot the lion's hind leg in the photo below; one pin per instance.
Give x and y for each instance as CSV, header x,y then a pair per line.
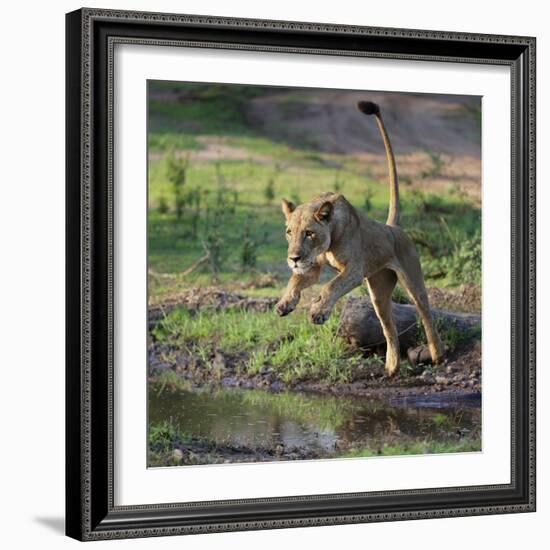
x,y
410,276
381,287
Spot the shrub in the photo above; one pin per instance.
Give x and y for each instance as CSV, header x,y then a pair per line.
x,y
269,190
163,207
176,172
436,168
464,263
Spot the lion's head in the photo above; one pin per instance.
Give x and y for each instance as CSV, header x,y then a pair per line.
x,y
307,232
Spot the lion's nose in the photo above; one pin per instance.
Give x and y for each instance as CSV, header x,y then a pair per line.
x,y
295,259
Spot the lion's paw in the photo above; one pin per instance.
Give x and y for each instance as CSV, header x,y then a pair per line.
x,y
284,308
318,314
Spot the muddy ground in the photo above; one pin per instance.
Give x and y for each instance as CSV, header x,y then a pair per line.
x,y
459,377
196,450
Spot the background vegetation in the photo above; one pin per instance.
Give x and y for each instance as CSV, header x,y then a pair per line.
x,y
216,180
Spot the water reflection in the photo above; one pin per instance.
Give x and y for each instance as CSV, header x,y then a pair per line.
x,y
254,418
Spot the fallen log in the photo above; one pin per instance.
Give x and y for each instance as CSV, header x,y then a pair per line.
x,y
360,326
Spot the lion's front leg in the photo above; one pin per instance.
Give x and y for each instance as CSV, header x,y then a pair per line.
x,y
343,283
296,284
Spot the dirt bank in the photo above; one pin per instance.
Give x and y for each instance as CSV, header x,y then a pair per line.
x,y
329,121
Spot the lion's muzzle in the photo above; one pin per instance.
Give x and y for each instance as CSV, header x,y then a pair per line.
x,y
297,265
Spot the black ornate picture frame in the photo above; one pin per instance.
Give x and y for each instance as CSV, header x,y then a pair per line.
x,y
90,40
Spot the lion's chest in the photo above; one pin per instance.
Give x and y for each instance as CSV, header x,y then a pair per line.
x,y
334,262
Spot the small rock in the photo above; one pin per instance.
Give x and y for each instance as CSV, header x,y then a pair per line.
x,y
177,455
218,361
427,377
276,386
420,354
441,380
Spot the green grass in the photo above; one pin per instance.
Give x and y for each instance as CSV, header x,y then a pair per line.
x,y
417,448
295,348
163,433
451,335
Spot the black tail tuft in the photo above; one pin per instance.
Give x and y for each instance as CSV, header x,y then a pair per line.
x,y
368,108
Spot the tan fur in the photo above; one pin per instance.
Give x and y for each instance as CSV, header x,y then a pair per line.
x,y
329,230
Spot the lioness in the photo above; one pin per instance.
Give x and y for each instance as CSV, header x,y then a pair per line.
x,y
330,230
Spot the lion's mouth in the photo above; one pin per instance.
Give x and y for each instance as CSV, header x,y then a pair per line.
x,y
299,268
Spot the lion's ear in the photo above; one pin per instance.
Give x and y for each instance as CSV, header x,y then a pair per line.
x,y
324,212
287,207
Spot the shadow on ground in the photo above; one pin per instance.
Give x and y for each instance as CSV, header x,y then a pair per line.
x,y
56,524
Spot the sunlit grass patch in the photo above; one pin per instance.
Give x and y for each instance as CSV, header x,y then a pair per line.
x,y
295,348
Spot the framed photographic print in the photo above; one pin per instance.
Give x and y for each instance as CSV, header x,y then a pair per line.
x,y
300,274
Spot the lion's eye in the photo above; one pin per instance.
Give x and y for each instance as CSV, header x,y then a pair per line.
x,y
310,234
288,231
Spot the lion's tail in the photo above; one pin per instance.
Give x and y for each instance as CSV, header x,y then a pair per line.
x,y
370,108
